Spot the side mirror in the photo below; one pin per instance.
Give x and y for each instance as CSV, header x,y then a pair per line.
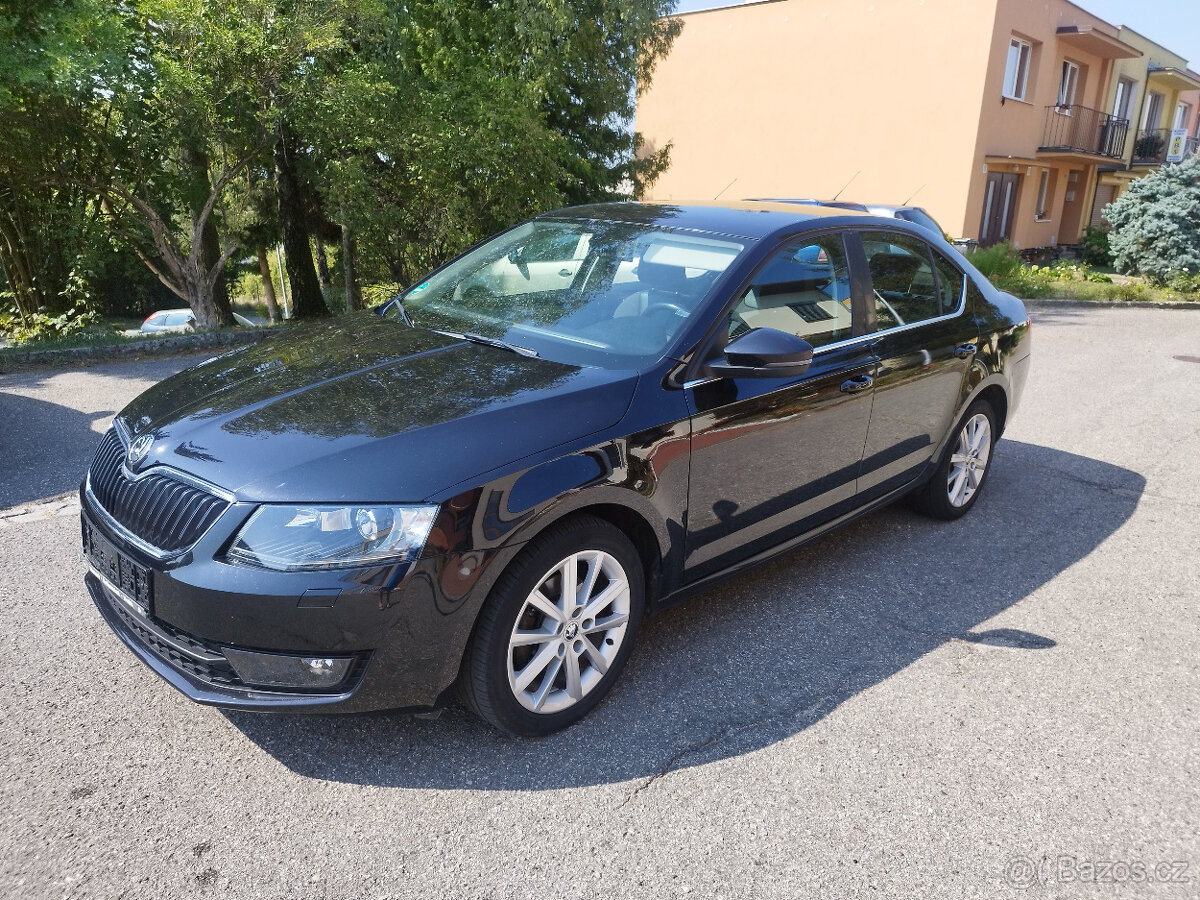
x,y
516,256
764,353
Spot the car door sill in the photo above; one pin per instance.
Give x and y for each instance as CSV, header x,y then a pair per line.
x,y
708,581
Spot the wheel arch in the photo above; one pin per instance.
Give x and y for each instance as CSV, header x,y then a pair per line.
x,y
997,398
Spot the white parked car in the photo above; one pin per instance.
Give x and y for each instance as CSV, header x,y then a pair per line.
x,y
169,321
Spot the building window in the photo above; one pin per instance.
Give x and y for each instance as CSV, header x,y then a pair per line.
x,y
1181,115
1068,83
1043,196
1123,104
1016,70
1154,102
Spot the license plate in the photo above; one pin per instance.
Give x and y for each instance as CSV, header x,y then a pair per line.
x,y
132,580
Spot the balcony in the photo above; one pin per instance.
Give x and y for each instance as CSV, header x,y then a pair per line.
x,y
1080,129
1151,147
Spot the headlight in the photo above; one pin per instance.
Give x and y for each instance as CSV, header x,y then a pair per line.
x,y
292,538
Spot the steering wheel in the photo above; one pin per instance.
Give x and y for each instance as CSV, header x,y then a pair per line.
x,y
674,308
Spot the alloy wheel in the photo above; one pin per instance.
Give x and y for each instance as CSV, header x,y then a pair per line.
x,y
969,461
569,631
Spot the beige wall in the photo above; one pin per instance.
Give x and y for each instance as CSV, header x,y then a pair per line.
x,y
1192,99
792,98
887,101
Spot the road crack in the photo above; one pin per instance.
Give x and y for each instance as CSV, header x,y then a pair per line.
x,y
805,708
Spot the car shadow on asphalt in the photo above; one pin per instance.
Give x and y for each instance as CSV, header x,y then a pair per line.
x,y
47,455
763,656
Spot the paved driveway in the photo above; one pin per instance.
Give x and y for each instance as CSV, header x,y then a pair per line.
x,y
903,709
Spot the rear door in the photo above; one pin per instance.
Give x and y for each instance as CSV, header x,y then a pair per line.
x,y
925,340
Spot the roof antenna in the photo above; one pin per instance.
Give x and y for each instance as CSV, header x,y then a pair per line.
x,y
913,194
724,189
847,184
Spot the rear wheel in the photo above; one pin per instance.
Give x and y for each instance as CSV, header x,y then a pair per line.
x,y
556,630
964,467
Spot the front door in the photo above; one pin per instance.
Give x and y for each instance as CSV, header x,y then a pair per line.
x,y
773,458
999,207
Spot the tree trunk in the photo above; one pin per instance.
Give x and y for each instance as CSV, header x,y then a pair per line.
x,y
199,189
322,266
264,269
307,302
350,268
16,267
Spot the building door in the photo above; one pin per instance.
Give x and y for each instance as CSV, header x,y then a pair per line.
x,y
999,207
1104,196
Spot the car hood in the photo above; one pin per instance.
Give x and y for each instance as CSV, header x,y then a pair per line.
x,y
367,409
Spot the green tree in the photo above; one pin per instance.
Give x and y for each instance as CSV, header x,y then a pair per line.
x,y
52,50
451,119
1156,223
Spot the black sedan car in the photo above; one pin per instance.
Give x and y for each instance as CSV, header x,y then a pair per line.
x,y
485,484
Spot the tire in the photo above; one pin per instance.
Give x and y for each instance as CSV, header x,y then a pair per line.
x,y
542,658
963,469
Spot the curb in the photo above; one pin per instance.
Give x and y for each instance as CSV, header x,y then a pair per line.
x,y
166,346
1051,303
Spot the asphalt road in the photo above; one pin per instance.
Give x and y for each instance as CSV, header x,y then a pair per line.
x,y
1001,707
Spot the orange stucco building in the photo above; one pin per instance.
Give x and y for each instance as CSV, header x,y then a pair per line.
x,y
997,116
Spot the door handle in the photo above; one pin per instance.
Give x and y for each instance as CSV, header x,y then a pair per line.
x,y
856,385
565,273
966,351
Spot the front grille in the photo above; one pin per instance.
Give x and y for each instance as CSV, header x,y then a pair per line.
x,y
160,510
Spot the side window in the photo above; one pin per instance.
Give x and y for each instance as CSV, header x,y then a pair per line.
x,y
552,248
905,288
804,290
950,283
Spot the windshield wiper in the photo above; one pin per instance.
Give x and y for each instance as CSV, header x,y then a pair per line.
x,y
399,305
489,342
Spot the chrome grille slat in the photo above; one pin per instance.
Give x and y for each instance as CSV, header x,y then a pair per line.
x,y
157,509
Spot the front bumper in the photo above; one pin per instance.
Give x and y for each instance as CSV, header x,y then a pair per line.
x,y
193,667
405,628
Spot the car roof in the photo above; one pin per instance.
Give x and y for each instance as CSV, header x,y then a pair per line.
x,y
752,219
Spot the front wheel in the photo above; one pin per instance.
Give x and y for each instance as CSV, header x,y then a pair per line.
x,y
961,474
556,630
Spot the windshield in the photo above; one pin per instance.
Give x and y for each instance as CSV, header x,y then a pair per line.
x,y
608,294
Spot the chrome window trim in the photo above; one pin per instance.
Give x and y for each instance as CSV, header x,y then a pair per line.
x,y
876,335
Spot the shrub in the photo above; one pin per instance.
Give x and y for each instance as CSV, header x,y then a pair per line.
x,y
1156,223
997,261
1094,247
1184,282
40,326
1129,292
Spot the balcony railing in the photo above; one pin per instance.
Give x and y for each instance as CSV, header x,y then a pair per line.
x,y
1080,129
1151,147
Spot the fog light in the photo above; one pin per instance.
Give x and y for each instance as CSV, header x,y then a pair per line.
x,y
279,671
